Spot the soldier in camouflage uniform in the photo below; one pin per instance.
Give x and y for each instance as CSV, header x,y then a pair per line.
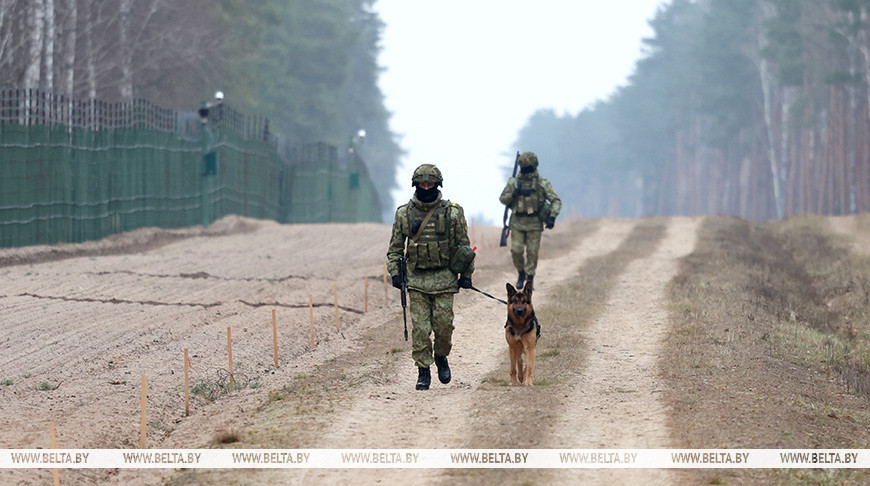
x,y
534,206
437,236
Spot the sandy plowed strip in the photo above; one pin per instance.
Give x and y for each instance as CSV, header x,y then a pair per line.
x,y
400,417
615,402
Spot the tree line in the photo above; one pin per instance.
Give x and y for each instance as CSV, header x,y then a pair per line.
x,y
755,108
310,66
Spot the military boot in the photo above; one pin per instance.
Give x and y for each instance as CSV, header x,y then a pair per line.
x,y
521,280
443,369
423,378
530,280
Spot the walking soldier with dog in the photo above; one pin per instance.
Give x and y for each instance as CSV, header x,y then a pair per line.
x,y
534,206
432,234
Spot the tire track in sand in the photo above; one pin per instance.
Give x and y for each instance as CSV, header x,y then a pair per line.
x,y
615,402
401,417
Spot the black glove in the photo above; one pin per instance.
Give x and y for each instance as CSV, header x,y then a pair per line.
x,y
397,281
465,282
549,223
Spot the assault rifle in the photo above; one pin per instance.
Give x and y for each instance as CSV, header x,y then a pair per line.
x,y
506,230
403,276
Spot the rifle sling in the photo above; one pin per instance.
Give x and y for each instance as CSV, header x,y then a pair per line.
x,y
423,224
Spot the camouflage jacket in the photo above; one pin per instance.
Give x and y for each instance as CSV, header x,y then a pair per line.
x,y
445,230
528,213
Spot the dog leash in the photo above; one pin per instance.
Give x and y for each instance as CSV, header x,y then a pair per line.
x,y
490,296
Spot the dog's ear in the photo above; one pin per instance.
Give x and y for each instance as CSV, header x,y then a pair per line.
x,y
510,290
528,291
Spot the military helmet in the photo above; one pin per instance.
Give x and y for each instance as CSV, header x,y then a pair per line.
x,y
528,159
426,173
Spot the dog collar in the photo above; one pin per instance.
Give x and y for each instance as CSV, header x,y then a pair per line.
x,y
533,321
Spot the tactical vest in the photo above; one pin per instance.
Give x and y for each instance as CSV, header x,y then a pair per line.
x,y
430,250
531,204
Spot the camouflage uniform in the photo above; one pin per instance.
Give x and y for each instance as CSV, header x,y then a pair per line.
x,y
431,283
533,203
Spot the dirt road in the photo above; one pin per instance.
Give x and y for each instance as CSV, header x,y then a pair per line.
x,y
82,332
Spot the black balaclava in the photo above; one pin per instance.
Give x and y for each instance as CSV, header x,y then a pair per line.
x,y
527,169
427,195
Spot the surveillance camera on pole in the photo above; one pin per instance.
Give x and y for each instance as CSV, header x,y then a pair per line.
x,y
206,105
356,141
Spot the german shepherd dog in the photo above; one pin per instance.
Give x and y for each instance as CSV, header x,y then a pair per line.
x,y
522,332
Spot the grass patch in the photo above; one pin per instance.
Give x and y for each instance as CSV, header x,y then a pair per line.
x,y
217,382
770,344
276,396
46,386
550,353
227,437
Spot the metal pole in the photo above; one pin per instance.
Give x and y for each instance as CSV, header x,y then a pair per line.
x,y
205,140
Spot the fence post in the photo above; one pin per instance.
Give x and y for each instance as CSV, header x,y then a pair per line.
x,y
209,162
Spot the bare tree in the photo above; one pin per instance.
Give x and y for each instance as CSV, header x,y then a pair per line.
x,y
7,15
775,149
125,49
67,67
46,78
111,49
35,25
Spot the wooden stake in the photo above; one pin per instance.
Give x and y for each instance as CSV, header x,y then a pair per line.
x,y
230,354
275,336
311,317
337,322
51,433
143,424
366,295
186,384
386,293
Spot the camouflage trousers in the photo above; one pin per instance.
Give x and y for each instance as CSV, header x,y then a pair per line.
x,y
530,242
430,313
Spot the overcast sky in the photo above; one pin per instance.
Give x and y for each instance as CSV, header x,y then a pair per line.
x,y
462,77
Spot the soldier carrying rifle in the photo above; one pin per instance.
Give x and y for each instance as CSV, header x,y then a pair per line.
x,y
432,234
534,206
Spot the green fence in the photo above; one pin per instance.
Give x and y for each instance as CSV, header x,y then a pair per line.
x,y
72,171
325,187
